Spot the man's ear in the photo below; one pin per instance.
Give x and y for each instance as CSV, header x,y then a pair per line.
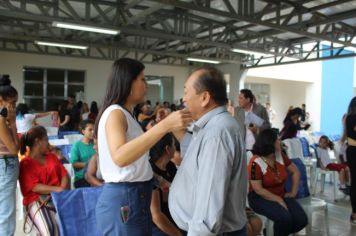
x,y
205,99
166,148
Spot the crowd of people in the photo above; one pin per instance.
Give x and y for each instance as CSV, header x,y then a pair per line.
x,y
164,170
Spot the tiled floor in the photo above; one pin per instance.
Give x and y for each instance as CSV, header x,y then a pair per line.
x,y
335,224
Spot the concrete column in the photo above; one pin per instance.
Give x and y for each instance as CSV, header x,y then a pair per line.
x,y
235,75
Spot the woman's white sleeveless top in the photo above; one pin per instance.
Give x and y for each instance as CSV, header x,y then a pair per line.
x,y
140,170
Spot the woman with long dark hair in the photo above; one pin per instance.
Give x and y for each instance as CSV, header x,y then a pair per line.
x,y
268,172
350,134
123,207
93,111
9,163
292,124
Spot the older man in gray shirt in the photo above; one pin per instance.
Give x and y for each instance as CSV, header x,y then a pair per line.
x,y
208,194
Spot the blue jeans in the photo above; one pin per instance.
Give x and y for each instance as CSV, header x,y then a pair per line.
x,y
285,221
157,232
124,209
9,172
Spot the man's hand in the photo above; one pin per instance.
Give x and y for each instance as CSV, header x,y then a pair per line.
x,y
253,128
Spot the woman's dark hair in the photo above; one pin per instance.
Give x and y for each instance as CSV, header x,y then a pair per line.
x,y
21,109
265,141
64,105
159,148
295,111
212,80
6,90
137,110
123,72
94,107
330,144
83,124
173,107
28,139
352,107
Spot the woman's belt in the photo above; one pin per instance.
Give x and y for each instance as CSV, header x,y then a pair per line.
x,y
351,141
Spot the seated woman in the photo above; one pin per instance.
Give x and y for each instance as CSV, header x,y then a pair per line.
x,y
81,152
268,172
164,171
323,153
41,173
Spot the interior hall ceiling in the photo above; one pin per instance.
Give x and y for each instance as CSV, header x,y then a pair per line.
x,y
169,31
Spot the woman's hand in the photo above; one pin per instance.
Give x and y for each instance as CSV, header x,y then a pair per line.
x,y
281,202
290,195
177,120
11,114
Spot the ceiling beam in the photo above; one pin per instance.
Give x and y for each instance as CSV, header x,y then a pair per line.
x,y
190,6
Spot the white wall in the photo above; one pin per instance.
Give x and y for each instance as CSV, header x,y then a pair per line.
x,y
306,72
97,71
283,94
292,84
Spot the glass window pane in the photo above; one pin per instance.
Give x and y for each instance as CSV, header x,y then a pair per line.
x,y
34,104
75,76
33,89
55,90
74,89
160,88
34,74
54,75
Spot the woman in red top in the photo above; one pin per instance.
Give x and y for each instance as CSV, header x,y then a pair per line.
x,y
268,172
40,174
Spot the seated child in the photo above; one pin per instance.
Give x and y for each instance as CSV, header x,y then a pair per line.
x,y
81,152
323,153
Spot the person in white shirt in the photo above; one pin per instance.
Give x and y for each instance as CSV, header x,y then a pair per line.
x,y
271,113
123,207
25,120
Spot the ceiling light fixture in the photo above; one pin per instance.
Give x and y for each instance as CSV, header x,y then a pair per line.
x,y
259,54
62,45
85,28
203,60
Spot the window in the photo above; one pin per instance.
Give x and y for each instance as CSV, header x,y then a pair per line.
x,y
261,92
46,88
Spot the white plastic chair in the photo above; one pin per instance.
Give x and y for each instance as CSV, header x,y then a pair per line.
x,y
20,208
58,142
69,168
319,171
310,205
52,131
72,138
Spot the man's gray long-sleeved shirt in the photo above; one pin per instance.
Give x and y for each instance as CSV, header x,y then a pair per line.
x,y
208,193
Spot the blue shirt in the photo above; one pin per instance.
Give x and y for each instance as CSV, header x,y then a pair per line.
x,y
208,193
